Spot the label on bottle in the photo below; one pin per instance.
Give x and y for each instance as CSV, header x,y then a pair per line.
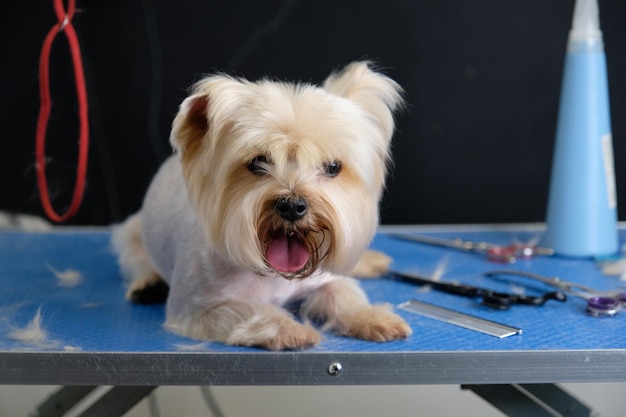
x,y
609,170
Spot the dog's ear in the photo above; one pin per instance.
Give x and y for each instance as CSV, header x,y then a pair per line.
x,y
376,93
207,108
191,123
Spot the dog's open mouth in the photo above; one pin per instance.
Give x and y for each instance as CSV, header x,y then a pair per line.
x,y
287,252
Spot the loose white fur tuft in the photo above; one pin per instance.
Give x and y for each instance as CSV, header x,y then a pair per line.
x,y
32,333
34,336
67,278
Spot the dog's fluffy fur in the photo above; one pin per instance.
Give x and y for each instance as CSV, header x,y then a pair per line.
x,y
272,196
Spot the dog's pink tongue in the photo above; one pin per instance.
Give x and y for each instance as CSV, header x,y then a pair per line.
x,y
287,254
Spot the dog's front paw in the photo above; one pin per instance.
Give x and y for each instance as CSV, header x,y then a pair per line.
x,y
275,334
295,336
378,324
268,327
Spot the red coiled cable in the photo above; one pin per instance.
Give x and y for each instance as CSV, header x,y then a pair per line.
x,y
64,25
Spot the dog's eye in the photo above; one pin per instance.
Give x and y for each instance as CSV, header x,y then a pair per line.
x,y
258,165
332,169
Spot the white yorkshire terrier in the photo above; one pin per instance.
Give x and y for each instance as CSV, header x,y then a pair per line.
x,y
271,197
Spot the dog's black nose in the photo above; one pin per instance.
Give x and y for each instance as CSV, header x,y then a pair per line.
x,y
291,208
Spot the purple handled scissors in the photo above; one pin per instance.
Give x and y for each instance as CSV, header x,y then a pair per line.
x,y
599,303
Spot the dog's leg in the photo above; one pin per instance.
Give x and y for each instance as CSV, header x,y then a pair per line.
x,y
247,324
146,285
344,307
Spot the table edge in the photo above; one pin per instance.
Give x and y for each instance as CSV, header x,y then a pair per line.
x,y
312,368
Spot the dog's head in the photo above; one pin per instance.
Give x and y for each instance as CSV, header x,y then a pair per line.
x,y
287,177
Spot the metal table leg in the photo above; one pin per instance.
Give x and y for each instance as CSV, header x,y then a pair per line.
x,y
117,401
61,401
532,400
114,403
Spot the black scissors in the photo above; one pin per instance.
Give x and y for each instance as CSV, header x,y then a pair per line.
x,y
489,298
599,303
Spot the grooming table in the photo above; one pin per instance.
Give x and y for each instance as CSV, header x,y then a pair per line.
x,y
64,321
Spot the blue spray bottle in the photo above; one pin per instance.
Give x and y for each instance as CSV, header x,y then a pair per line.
x,y
582,204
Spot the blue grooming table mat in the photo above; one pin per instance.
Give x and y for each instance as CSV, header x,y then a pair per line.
x,y
66,285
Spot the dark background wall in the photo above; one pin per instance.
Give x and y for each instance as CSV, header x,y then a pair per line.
x,y
482,80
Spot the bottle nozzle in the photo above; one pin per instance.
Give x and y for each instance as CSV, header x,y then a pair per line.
x,y
586,22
